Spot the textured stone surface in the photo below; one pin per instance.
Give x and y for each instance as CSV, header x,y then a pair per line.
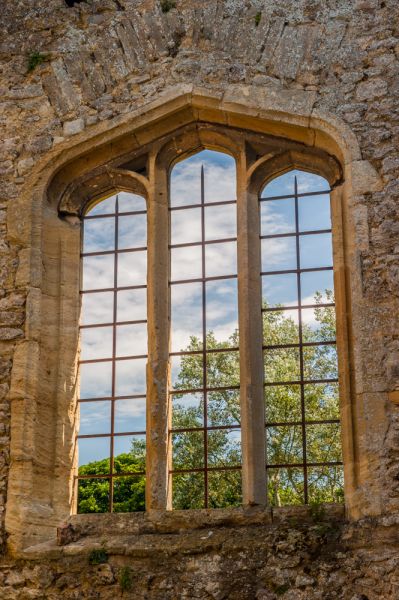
x,y
315,557
104,59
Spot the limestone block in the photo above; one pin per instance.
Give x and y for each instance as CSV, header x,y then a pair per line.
x,y
25,165
73,127
365,178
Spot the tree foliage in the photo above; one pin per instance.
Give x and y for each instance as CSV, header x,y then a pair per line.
x,y
283,404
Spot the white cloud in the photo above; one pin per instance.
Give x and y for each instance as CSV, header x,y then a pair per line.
x,y
219,175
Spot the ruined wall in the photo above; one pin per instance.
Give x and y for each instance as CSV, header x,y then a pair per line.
x,y
67,71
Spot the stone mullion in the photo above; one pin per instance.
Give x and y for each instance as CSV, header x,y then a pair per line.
x,y
157,453
251,335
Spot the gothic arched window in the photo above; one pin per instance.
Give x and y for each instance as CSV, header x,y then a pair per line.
x,y
303,442
112,399
220,385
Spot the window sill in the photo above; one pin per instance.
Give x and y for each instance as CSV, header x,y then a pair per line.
x,y
148,534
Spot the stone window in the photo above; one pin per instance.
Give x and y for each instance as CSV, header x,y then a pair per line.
x,y
303,441
295,317
139,161
205,434
113,355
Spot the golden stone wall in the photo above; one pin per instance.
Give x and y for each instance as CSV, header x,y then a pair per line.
x,y
87,88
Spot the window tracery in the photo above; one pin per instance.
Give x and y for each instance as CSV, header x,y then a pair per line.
x,y
205,407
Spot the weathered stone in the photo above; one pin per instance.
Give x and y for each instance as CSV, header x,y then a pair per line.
x,y
73,127
370,89
284,69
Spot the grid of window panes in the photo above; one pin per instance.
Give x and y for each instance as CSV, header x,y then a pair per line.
x,y
303,443
111,440
205,429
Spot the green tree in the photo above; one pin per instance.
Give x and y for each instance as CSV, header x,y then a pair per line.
x,y
129,491
282,405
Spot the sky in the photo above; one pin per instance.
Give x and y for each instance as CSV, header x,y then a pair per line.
x,y
276,217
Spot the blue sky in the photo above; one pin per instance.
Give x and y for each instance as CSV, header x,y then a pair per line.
x,y
276,217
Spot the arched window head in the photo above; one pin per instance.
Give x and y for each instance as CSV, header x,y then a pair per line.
x,y
112,399
303,443
205,433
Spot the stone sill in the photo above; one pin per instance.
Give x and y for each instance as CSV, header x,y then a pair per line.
x,y
187,531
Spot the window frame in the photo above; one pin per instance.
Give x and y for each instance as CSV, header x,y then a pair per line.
x,y
253,173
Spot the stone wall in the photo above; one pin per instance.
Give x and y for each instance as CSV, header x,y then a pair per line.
x,y
289,554
67,72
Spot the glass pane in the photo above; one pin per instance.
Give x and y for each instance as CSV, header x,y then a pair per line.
x,y
326,484
186,316
187,371
185,226
281,364
224,408
285,184
130,377
220,176
317,286
95,417
129,453
220,222
315,250
285,486
280,186
132,231
221,259
129,494
280,327
129,415
188,450
186,263
98,272
129,202
277,216
279,290
321,401
97,308
323,443
223,369
318,324
284,445
310,182
132,305
185,182
96,380
188,490
104,207
283,403
94,455
98,234
222,313
187,411
93,495
131,340
96,342
132,268
224,448
278,254
314,212
224,489
320,362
